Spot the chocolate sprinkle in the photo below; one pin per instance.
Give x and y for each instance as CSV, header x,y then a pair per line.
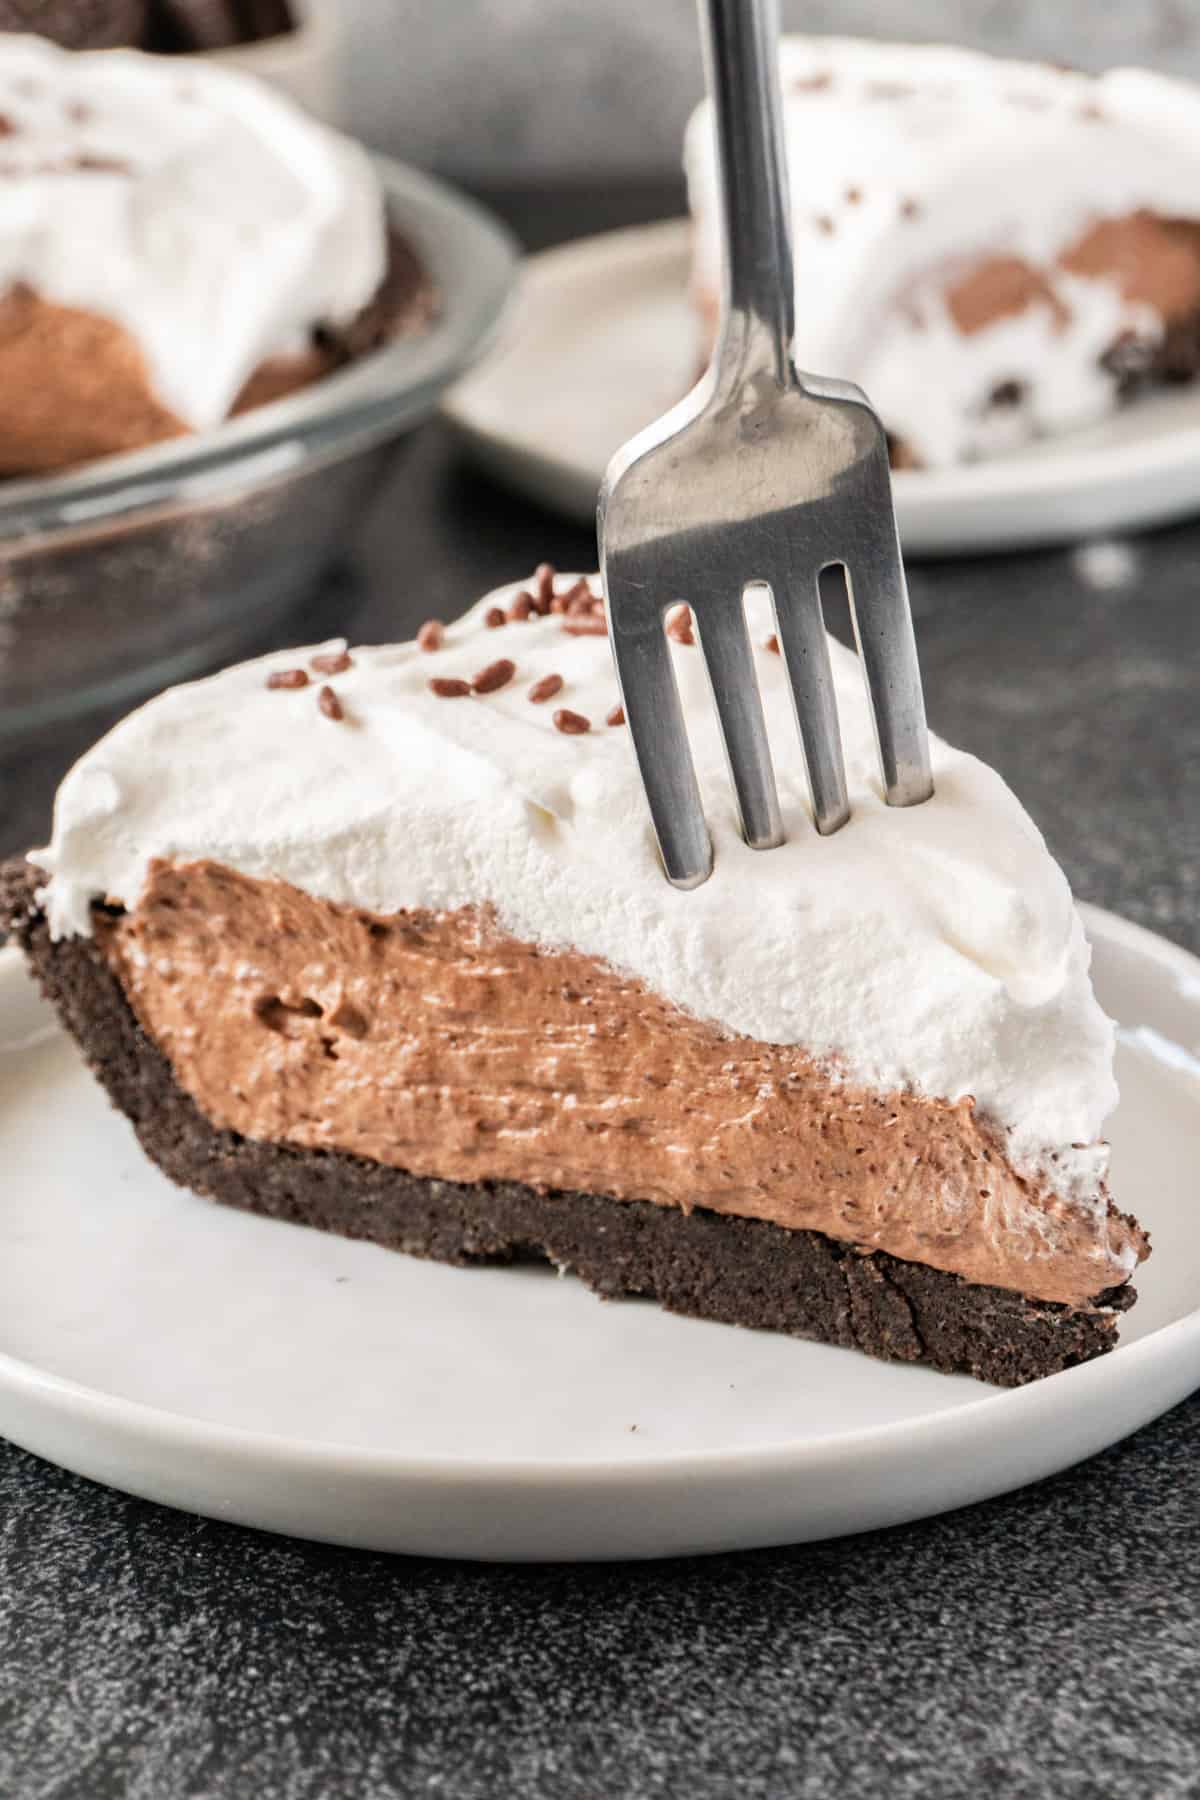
x,y
98,165
287,678
1007,393
431,635
7,128
545,689
573,723
329,704
496,675
494,617
523,606
679,626
449,687
615,715
824,224
586,625
910,209
853,196
772,644
543,577
579,599
334,662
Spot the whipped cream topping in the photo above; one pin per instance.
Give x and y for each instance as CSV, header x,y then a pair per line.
x,y
935,948
909,163
206,215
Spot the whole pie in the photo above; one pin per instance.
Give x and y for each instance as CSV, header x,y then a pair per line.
x,y
178,243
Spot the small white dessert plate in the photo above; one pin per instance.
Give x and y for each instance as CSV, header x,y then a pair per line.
x,y
265,1373
603,340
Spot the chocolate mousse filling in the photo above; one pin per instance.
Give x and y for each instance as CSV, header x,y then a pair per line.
x,y
427,1082
1153,262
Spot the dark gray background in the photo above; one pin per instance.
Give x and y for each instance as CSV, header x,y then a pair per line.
x,y
500,89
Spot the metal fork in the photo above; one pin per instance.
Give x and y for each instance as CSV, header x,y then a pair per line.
x,y
761,476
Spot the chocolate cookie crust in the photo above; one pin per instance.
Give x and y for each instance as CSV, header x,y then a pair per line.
x,y
735,1271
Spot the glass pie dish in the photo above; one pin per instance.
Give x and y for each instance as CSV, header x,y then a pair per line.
x,y
138,570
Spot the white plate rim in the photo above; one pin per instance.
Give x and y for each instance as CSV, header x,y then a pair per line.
x,y
862,1445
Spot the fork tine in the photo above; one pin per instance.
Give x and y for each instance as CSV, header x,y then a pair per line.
x,y
655,719
805,650
887,649
725,645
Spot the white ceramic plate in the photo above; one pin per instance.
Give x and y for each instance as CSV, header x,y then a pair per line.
x,y
265,1373
604,340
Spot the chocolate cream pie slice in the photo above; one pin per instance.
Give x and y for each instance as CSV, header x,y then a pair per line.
x,y
377,941
994,250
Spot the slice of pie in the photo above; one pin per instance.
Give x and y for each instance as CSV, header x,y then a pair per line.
x,y
994,250
378,941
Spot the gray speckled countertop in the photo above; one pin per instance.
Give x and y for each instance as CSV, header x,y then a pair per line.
x,y
1043,1644
1046,1644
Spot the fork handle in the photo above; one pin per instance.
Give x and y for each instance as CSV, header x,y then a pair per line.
x,y
741,54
